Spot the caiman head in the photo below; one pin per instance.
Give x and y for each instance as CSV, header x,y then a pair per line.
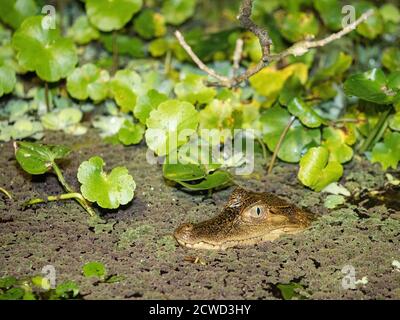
x,y
248,218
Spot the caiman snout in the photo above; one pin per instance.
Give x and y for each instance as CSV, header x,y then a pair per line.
x,y
184,232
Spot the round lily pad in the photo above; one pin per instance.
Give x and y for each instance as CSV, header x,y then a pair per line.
x,y
178,11
170,125
123,89
14,12
108,190
109,15
57,54
7,80
88,81
82,32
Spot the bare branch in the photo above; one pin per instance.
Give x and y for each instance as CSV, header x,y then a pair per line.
x,y
197,61
237,56
298,49
301,48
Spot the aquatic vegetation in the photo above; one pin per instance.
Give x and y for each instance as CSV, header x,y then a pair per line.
x,y
108,191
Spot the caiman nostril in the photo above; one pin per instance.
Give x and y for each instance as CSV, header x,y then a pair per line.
x,y
184,231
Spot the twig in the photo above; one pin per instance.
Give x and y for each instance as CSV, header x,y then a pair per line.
x,y
279,144
303,47
237,56
197,61
6,193
297,49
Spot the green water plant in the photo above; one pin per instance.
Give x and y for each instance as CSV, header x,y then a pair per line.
x,y
108,191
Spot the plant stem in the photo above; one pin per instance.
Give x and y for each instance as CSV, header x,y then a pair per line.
x,y
66,196
46,96
81,200
264,149
371,137
115,52
167,63
6,193
278,146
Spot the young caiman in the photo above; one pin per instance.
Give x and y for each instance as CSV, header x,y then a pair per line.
x,y
248,218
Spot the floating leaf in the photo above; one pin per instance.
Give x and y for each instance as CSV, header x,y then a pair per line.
x,y
147,103
316,171
183,172
88,81
395,122
387,153
7,282
67,119
334,66
7,80
335,142
217,179
13,294
370,86
108,190
123,89
150,24
298,138
332,201
290,290
67,290
109,15
14,12
305,113
193,90
82,32
57,54
131,133
178,11
94,269
37,158
170,125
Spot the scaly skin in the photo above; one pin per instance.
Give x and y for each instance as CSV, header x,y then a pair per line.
x,y
247,219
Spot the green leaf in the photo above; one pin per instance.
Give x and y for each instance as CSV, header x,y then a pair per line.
x,y
183,172
374,25
126,45
115,279
390,13
108,190
13,294
305,113
14,12
178,11
57,54
37,158
370,86
335,142
170,125
8,80
147,103
150,24
131,133
331,13
333,201
94,269
193,90
67,290
67,119
387,153
88,81
109,15
82,32
316,171
217,179
41,282
123,89
395,122
289,291
298,138
391,58
7,282
297,26
333,66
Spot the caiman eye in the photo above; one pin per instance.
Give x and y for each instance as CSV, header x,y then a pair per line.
x,y
255,212
258,211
